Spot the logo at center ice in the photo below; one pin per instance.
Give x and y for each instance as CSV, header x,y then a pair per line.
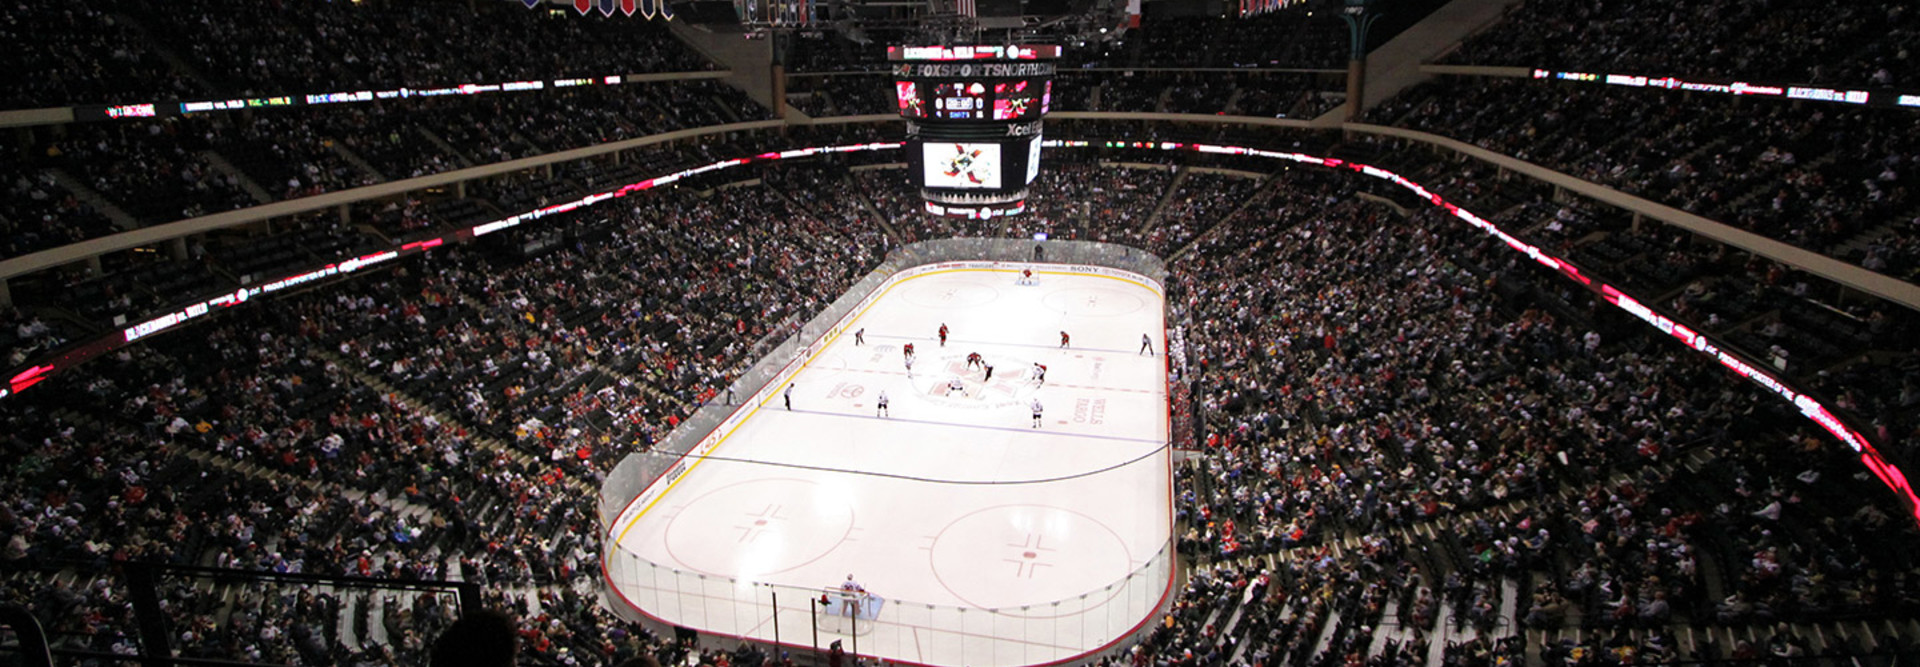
x,y
1012,383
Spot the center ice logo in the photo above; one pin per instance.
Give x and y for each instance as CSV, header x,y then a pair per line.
x,y
961,385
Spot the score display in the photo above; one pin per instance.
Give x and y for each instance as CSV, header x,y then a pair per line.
x,y
973,122
1017,99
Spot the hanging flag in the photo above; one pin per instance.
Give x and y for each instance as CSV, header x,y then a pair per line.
x,y
646,8
627,6
583,6
533,3
607,7
665,11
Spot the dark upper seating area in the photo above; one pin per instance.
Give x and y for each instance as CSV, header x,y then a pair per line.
x,y
1832,180
159,171
1309,35
210,49
1856,44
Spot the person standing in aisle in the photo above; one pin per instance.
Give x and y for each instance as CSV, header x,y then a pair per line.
x,y
881,406
1146,345
788,395
1036,412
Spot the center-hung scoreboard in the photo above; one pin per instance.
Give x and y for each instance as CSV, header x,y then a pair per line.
x,y
973,123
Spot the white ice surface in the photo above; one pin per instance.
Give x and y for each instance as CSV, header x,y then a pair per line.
x,y
954,501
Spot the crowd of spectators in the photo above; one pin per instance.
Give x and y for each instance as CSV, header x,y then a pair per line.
x,y
1832,180
155,171
39,213
160,171
81,301
450,419
1303,37
1336,397
1080,198
206,49
1861,44
1809,331
83,54
1510,453
842,94
1293,39
1315,410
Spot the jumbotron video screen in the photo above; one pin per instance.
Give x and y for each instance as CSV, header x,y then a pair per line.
x,y
974,123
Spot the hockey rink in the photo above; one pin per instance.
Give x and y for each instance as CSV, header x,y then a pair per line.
x,y
984,539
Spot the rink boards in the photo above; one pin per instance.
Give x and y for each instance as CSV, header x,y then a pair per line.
x,y
952,502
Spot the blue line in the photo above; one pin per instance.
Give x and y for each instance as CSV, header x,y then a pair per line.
x,y
1035,431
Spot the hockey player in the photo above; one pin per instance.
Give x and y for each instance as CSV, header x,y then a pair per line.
x,y
880,407
860,337
955,385
788,395
973,359
943,334
1063,340
907,350
989,368
1040,372
909,366
1036,412
1146,345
